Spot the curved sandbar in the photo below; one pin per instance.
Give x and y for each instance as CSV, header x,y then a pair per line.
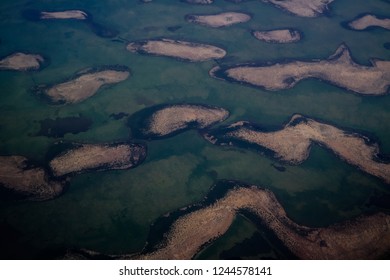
x,y
18,175
292,143
367,21
218,20
69,14
177,49
339,69
22,62
278,35
365,237
97,157
84,84
302,8
167,120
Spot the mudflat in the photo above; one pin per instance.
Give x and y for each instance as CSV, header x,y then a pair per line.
x,y
177,49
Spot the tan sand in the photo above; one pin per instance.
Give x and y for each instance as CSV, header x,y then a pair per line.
x,y
21,62
178,49
219,20
366,237
339,69
84,86
18,176
367,21
97,157
177,117
71,14
292,144
278,36
303,8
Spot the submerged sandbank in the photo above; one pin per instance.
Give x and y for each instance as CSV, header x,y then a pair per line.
x,y
278,35
339,69
183,50
218,20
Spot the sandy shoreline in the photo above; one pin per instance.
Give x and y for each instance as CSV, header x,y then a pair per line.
x,y
83,86
22,62
193,52
339,69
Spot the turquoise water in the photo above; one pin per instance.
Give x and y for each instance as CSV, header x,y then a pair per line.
x,y
111,211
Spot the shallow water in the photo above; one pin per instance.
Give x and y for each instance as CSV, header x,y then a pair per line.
x,y
111,211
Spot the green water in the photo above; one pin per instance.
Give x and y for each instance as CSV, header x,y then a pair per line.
x,y
111,211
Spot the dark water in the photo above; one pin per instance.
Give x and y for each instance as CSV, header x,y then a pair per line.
x,y
111,212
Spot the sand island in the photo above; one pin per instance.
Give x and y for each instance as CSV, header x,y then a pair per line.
x,y
278,35
218,20
83,85
196,226
22,62
339,69
366,21
26,180
292,143
168,120
97,157
201,2
70,14
181,50
302,8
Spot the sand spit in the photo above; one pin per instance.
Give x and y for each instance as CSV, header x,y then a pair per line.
x,y
292,143
20,177
83,85
367,21
70,14
97,157
167,120
177,49
366,237
278,36
302,8
22,62
339,69
218,20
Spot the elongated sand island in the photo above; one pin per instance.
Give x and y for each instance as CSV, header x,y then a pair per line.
x,y
69,14
191,228
281,36
218,20
367,21
302,8
97,157
182,50
83,85
339,69
25,180
22,62
292,143
201,2
168,120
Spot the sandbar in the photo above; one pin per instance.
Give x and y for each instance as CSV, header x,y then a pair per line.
x,y
97,157
278,35
302,8
22,62
69,14
19,176
201,2
339,69
83,85
164,121
218,20
292,143
367,21
182,50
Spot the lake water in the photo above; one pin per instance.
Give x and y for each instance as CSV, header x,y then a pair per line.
x,y
111,211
